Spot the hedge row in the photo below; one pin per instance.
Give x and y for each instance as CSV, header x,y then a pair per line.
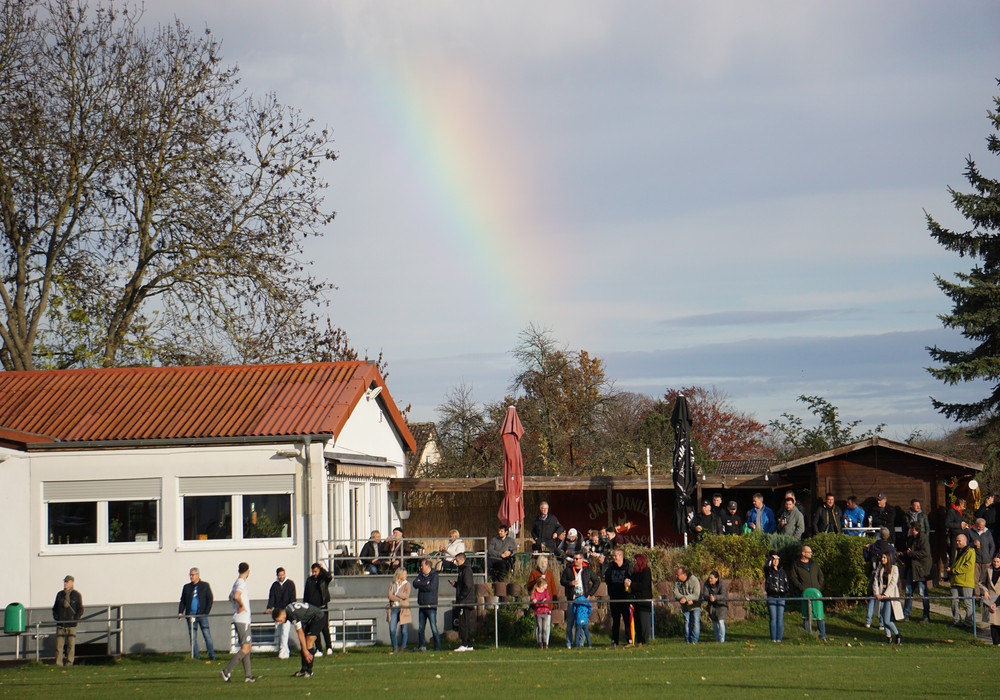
x,y
742,557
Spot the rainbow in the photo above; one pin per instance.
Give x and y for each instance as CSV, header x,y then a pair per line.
x,y
457,152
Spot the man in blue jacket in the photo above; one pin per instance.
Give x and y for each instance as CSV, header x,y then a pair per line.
x,y
196,604
426,584
760,518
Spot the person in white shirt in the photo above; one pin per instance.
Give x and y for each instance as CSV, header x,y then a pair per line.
x,y
240,598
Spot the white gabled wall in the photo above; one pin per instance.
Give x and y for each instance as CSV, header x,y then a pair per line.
x,y
369,431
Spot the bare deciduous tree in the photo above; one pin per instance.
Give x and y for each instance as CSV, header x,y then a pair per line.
x,y
151,211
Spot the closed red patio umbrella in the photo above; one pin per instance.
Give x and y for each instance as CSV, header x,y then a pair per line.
x,y
511,511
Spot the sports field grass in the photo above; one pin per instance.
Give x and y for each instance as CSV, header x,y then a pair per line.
x,y
934,661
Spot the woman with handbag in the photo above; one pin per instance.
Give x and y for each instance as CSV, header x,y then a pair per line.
x,y
399,610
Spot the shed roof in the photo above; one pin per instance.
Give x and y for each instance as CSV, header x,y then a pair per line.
x,y
877,442
176,403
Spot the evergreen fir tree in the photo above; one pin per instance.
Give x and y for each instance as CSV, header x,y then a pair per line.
x,y
975,295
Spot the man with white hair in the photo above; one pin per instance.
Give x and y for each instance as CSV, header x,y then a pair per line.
x,y
981,540
546,530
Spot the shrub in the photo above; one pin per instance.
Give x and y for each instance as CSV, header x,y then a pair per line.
x,y
515,626
732,556
841,559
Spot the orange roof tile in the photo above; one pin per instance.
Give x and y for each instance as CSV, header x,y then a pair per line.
x,y
164,403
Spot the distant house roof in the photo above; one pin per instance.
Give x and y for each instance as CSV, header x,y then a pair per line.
x,y
877,442
744,467
426,454
172,403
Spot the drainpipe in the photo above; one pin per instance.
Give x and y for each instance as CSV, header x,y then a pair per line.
x,y
307,529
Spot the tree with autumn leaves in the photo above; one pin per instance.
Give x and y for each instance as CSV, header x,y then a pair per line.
x,y
576,423
720,430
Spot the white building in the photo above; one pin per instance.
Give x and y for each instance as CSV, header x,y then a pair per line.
x,y
126,478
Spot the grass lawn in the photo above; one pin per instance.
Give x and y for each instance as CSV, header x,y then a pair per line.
x,y
935,661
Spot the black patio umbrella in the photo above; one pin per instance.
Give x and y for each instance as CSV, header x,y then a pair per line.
x,y
685,479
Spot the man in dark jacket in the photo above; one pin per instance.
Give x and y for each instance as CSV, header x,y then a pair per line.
x,y
281,595
882,515
828,517
807,581
67,609
705,523
954,525
500,553
196,605
369,557
918,570
546,530
465,599
426,584
577,579
317,593
732,522
615,577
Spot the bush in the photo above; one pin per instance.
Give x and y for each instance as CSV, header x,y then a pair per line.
x,y
841,559
515,626
732,556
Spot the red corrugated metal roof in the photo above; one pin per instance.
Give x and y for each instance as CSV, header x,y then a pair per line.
x,y
162,403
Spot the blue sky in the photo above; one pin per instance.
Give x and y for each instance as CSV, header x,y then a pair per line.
x,y
716,193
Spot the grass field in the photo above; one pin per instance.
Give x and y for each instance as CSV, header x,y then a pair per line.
x,y
934,661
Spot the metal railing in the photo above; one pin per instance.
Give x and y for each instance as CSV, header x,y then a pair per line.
x,y
110,623
105,624
343,557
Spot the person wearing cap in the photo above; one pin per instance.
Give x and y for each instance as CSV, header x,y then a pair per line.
x,y
67,609
732,523
791,522
882,515
828,517
705,523
572,545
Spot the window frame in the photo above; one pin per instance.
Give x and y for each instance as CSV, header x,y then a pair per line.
x,y
101,492
236,488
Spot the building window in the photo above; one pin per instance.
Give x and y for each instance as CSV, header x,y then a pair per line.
x,y
108,512
251,507
73,523
208,518
132,521
267,515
